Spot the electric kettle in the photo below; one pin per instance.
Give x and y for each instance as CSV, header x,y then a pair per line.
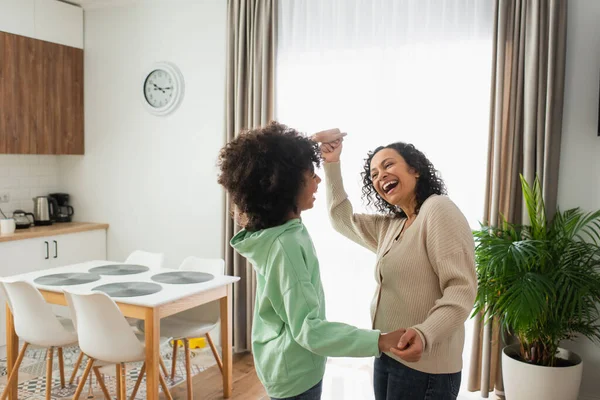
x,y
45,209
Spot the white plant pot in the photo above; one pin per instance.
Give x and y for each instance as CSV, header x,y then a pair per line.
x,y
524,381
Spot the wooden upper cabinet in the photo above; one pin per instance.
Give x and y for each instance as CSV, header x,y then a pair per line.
x,y
16,74
41,97
70,141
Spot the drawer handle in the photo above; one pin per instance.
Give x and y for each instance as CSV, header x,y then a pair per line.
x,y
47,251
55,249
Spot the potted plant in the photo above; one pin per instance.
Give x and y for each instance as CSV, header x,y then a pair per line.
x,y
541,280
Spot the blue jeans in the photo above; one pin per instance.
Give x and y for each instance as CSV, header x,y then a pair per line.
x,y
395,381
313,393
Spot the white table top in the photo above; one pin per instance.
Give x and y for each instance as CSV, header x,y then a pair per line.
x,y
168,294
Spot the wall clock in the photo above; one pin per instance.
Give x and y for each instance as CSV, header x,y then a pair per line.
x,y
163,88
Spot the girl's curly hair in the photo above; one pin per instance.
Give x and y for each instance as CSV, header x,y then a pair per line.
x,y
263,171
428,183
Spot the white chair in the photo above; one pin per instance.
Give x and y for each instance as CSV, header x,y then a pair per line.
x,y
151,260
196,322
105,335
36,324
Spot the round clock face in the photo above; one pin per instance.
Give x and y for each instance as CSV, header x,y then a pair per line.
x,y
159,88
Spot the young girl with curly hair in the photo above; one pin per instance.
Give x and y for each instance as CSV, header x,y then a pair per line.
x,y
270,176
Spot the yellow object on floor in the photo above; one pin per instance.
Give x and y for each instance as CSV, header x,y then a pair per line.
x,y
195,343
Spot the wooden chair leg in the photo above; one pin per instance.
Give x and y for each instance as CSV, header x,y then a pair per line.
x,y
76,368
163,367
12,375
118,367
91,387
188,369
214,351
61,367
100,380
165,388
123,382
86,372
49,356
173,365
138,382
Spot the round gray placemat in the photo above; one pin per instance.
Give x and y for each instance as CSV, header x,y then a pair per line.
x,y
182,277
67,279
128,289
119,269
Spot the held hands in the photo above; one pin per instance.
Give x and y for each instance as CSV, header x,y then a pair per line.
x,y
331,144
388,341
406,344
410,346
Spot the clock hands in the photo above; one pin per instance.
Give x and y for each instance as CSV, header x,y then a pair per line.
x,y
162,89
158,88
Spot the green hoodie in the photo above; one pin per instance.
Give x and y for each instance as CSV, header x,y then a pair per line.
x,y
290,336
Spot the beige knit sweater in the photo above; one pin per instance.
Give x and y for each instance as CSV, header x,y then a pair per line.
x,y
425,280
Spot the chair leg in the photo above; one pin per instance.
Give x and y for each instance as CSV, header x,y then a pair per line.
x,y
76,368
91,387
175,346
188,369
86,372
61,367
12,376
163,367
165,388
138,382
49,355
118,367
214,351
101,383
123,382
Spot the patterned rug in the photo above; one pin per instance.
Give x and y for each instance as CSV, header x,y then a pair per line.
x,y
32,374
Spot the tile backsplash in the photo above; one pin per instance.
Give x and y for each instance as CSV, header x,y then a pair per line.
x,y
23,177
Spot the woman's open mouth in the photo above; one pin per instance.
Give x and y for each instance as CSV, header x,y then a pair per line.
x,y
389,187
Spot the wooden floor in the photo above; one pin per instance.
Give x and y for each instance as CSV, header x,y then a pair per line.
x,y
349,379
208,385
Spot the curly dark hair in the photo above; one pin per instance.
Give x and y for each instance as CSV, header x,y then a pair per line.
x,y
428,183
263,171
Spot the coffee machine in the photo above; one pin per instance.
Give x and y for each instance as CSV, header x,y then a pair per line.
x,y
65,211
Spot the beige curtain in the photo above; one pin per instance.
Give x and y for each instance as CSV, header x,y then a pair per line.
x,y
251,33
525,130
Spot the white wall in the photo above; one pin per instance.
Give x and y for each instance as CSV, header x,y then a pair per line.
x,y
579,181
153,179
24,177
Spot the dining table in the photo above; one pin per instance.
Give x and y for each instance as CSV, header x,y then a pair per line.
x,y
141,293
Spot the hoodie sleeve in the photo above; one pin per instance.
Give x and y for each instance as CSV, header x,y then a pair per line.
x,y
297,302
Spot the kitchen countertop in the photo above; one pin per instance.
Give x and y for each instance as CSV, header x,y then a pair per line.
x,y
58,228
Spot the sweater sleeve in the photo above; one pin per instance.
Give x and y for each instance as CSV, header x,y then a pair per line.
x,y
299,305
362,229
450,247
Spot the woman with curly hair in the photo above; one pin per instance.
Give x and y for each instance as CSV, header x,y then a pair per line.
x,y
269,174
425,269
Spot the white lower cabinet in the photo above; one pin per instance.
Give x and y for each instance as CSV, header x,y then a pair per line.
x,y
21,256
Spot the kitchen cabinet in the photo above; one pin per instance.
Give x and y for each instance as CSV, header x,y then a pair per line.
x,y
27,255
41,97
48,20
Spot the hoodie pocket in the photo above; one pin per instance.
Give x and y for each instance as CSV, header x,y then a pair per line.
x,y
269,359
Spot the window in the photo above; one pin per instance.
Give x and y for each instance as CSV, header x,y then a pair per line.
x,y
417,71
